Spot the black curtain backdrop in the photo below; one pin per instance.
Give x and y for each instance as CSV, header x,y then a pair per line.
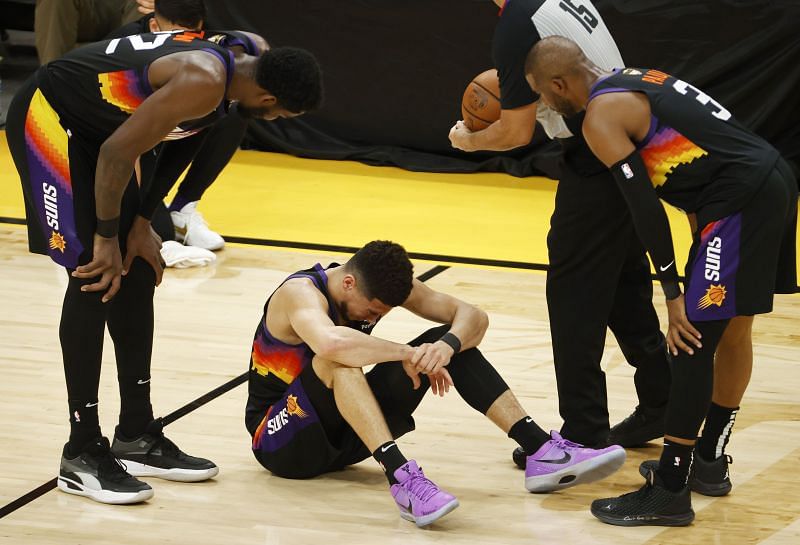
x,y
395,71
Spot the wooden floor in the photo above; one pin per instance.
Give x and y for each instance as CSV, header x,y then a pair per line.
x,y
204,324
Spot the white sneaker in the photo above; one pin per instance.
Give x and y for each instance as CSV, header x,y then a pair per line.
x,y
179,256
192,229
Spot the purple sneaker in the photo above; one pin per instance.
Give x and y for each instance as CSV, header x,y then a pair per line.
x,y
560,464
418,498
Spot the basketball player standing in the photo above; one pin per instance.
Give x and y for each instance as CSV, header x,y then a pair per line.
x,y
599,276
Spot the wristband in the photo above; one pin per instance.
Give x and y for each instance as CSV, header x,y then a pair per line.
x,y
107,228
452,341
671,290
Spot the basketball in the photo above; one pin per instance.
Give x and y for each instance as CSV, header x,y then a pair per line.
x,y
480,106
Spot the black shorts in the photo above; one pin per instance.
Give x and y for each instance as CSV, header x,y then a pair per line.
x,y
304,435
739,262
57,168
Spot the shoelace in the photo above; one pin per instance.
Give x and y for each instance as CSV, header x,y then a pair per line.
x,y
112,468
195,218
566,444
420,486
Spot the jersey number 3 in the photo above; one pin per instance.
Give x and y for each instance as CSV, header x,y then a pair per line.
x,y
717,109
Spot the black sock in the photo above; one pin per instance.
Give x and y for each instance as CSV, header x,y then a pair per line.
x,y
528,435
84,425
716,432
390,458
674,465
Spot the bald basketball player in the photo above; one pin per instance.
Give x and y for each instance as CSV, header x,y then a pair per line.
x,y
598,276
664,138
75,130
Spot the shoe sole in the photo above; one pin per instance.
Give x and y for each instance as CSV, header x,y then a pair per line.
x,y
683,519
103,496
433,517
714,490
138,469
593,469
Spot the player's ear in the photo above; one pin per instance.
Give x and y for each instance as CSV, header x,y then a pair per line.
x,y
349,281
154,25
559,86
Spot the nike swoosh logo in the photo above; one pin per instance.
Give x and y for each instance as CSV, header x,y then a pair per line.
x,y
563,460
92,404
140,381
667,267
384,449
528,420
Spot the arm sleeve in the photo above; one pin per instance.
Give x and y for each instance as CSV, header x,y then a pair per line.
x,y
649,219
173,158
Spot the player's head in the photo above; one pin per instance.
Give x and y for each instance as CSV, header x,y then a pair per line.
x,y
178,15
377,278
555,69
290,83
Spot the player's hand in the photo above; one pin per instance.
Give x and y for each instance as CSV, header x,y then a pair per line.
x,y
680,328
412,373
440,382
146,6
430,358
459,136
144,242
107,263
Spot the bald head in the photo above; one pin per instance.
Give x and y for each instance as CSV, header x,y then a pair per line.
x,y
554,57
558,70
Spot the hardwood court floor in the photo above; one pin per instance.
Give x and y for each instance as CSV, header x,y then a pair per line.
x,y
204,324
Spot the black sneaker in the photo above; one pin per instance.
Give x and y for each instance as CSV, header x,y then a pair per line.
x,y
706,478
97,474
153,455
651,505
641,426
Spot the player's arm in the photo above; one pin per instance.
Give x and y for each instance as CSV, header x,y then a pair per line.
x,y
613,121
467,322
202,79
514,129
306,310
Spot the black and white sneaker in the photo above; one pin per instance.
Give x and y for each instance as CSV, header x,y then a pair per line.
x,y
153,455
97,474
706,478
651,505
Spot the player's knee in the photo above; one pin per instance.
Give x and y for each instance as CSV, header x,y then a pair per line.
x,y
328,371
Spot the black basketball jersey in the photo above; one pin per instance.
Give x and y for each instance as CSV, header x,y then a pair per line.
x,y
696,153
275,364
95,88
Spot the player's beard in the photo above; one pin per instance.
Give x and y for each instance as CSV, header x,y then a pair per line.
x,y
563,106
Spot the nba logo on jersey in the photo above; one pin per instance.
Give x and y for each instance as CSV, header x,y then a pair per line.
x,y
627,171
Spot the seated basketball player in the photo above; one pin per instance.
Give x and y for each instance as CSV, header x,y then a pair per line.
x,y
75,130
664,138
311,408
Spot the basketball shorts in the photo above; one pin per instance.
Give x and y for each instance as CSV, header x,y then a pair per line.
x,y
737,263
57,170
303,434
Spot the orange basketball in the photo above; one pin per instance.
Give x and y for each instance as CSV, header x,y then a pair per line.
x,y
480,106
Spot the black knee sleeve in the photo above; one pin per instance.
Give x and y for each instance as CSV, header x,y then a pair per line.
x,y
476,380
693,383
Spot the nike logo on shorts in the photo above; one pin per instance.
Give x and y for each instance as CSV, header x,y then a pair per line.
x,y
667,267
